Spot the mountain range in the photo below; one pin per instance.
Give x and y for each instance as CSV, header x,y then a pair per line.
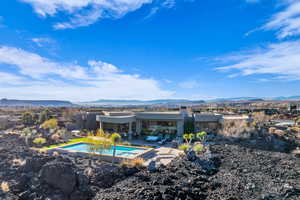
x,y
120,102
46,103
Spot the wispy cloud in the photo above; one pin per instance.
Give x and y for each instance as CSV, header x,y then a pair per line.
x,y
281,60
96,80
85,12
43,41
287,21
190,84
10,79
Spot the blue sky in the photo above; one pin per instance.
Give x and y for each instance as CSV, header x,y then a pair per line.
x,y
83,50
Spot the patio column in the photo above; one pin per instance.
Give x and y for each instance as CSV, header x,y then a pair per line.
x,y
101,124
130,131
138,127
180,129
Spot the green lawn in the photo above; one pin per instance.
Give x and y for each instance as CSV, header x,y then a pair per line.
x,y
71,141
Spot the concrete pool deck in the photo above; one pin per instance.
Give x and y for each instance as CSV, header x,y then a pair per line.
x,y
164,155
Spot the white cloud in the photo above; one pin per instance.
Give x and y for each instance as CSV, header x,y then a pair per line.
x,y
191,84
95,81
85,12
281,60
103,68
42,41
10,79
287,21
33,65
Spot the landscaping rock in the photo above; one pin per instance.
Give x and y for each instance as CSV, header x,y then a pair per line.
x,y
191,155
59,175
152,167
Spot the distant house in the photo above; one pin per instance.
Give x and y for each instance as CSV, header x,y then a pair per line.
x,y
169,123
208,122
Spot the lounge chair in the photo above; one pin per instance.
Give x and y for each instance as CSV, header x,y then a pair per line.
x,y
152,138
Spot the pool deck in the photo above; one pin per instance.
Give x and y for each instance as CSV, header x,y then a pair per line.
x,y
159,153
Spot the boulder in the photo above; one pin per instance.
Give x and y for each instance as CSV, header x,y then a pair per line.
x,y
34,164
152,167
191,155
60,175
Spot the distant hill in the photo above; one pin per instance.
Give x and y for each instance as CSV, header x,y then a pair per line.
x,y
235,99
46,103
141,102
287,98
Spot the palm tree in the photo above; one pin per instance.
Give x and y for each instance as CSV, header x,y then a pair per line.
x,y
115,138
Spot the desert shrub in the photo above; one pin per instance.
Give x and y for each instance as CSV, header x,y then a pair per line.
x,y
39,141
90,134
5,186
184,147
137,162
27,118
101,133
50,124
198,148
126,143
45,115
61,132
236,129
55,137
55,153
18,162
295,129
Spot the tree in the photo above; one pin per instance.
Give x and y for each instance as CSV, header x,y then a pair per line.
x,y
115,138
50,124
188,137
98,146
27,118
45,115
201,136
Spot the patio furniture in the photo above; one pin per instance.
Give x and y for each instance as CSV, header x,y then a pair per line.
x,y
152,138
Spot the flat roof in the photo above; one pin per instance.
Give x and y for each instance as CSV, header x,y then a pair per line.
x,y
160,115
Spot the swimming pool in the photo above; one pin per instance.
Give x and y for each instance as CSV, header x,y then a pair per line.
x,y
121,151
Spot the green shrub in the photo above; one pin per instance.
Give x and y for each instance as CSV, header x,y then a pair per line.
x,y
184,147
126,143
39,141
198,148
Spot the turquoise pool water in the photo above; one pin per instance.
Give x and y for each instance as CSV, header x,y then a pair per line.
x,y
121,151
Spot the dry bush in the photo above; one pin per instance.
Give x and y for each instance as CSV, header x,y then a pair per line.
x,y
42,151
5,186
236,129
18,162
55,137
279,132
295,129
89,172
55,153
137,162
